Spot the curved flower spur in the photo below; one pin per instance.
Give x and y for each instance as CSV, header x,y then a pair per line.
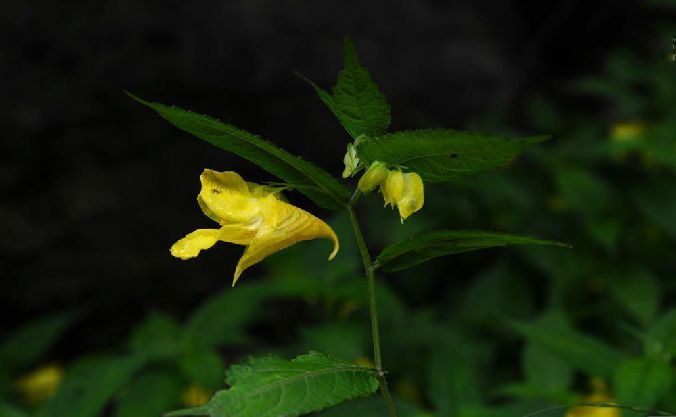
x,y
249,214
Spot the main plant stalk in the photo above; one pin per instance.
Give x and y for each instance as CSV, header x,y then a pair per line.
x,y
373,306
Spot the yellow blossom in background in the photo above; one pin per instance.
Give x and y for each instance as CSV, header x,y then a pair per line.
x,y
599,394
194,395
627,131
40,384
365,362
373,177
405,191
249,214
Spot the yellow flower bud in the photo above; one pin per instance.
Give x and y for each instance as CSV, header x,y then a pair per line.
x,y
195,395
627,131
373,177
40,384
404,190
599,395
351,161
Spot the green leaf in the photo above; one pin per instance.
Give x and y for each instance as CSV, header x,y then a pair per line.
x,y
442,154
309,179
157,336
150,395
422,248
370,407
452,380
661,338
7,410
642,381
356,100
204,368
268,387
89,386
544,370
223,317
637,291
578,350
28,343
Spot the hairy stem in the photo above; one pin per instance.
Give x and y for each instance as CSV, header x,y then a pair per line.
x,y
373,307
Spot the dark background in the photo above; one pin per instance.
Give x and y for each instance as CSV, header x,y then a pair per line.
x,y
95,188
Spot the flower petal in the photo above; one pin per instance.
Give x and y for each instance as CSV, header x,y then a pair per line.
x,y
226,196
191,245
283,226
413,196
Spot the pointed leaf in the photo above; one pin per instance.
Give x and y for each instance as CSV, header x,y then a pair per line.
x,y
422,248
642,381
576,349
309,179
356,100
269,387
442,154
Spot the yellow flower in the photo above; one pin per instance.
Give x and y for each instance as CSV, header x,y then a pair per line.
x,y
249,214
404,190
599,395
40,384
627,131
194,396
373,177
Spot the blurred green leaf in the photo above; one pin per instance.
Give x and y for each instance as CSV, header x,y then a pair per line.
x,y
452,380
584,192
442,154
7,410
157,336
223,317
266,387
89,385
544,370
576,349
336,339
447,242
637,292
370,407
309,179
356,100
204,368
150,395
661,337
642,381
657,201
27,344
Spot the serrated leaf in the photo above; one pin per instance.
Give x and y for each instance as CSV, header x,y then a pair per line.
x,y
428,246
28,343
642,381
356,100
442,154
306,177
270,387
89,386
576,349
150,395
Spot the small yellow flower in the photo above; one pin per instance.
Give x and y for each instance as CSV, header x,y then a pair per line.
x,y
249,214
404,190
373,177
599,395
40,384
194,395
627,131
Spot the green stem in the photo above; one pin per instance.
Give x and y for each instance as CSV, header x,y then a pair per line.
x,y
373,307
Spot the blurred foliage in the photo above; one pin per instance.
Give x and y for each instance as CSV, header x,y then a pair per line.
x,y
489,335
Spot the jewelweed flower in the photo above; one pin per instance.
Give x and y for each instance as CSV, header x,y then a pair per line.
x,y
405,191
599,394
627,131
249,214
373,177
40,384
195,395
